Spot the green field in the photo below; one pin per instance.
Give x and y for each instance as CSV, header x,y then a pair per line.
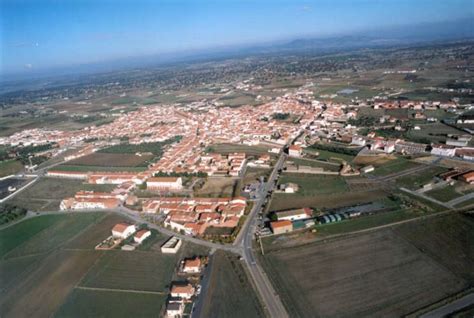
x,y
230,293
84,168
417,180
9,167
444,194
316,164
230,148
89,303
311,184
394,166
329,155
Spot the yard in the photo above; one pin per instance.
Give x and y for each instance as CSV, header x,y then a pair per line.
x,y
396,277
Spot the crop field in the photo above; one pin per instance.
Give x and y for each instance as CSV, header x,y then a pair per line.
x,y
112,160
230,293
9,167
435,133
415,181
444,194
313,184
140,271
249,150
91,303
394,166
329,155
47,193
284,201
396,277
217,187
44,291
447,240
316,164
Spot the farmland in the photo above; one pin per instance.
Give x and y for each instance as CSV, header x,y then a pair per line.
x,y
284,201
394,166
229,283
49,268
9,167
311,184
47,193
396,276
217,187
112,159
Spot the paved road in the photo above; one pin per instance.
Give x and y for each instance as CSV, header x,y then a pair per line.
x,y
451,307
423,196
244,240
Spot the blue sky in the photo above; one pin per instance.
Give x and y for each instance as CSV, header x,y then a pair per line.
x,y
37,34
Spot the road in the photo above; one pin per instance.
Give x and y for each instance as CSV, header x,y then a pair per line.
x,y
454,306
244,240
199,304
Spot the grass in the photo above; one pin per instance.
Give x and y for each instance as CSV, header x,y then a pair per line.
x,y
230,293
315,164
249,150
88,303
330,156
9,167
85,168
310,184
444,194
112,160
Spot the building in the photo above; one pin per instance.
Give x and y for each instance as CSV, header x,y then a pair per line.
x,y
164,184
123,230
280,227
406,147
289,187
294,151
367,169
359,140
171,246
192,266
174,309
443,150
468,177
183,291
141,235
293,215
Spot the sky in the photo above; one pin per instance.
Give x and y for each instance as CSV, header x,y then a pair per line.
x,y
39,34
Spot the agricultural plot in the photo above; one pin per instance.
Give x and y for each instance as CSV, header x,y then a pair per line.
x,y
312,184
140,271
112,160
415,181
230,148
285,201
393,166
316,164
330,155
395,277
90,303
9,167
218,187
230,293
52,237
444,194
47,193
44,291
434,133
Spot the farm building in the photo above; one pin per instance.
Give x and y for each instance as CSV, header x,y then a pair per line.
x,y
182,291
292,215
165,183
280,227
443,150
171,246
367,169
192,266
141,235
468,177
289,187
123,230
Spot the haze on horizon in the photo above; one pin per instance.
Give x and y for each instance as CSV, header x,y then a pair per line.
x,y
37,35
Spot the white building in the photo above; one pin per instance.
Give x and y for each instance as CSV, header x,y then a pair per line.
x,y
192,266
182,291
123,230
443,150
293,215
294,151
141,235
359,140
171,246
367,169
165,183
174,310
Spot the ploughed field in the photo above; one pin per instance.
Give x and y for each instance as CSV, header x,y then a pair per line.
x,y
385,273
112,160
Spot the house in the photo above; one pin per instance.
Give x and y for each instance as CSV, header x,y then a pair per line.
x,y
289,187
141,235
443,150
359,140
123,230
174,309
192,266
294,151
182,291
468,177
406,147
280,227
292,215
164,183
